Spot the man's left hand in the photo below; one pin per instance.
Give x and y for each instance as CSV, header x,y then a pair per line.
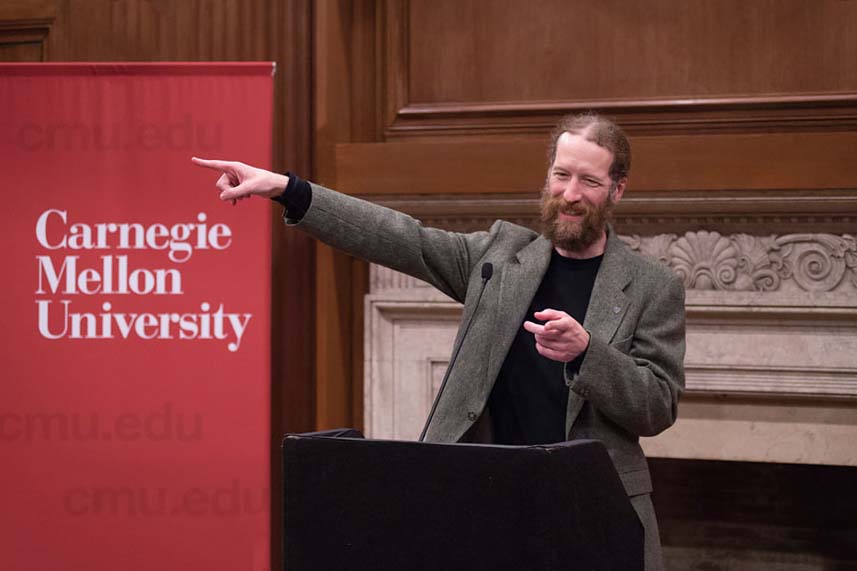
x,y
561,338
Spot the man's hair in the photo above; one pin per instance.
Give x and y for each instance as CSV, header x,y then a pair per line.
x,y
601,131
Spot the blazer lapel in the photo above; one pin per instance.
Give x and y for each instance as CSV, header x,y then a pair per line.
x,y
520,278
607,306
608,302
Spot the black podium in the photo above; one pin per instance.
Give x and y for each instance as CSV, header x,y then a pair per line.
x,y
376,505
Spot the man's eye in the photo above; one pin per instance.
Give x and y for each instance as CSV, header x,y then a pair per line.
x,y
591,182
560,175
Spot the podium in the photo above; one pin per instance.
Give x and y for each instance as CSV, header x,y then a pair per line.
x,y
352,503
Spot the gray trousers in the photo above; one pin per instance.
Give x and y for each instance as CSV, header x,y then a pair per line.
x,y
654,559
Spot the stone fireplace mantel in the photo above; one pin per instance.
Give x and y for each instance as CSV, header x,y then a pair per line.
x,y
772,327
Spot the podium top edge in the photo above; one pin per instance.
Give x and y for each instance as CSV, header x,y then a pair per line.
x,y
547,448
140,68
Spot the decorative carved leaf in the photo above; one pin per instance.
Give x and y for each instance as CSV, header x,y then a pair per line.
x,y
705,260
741,262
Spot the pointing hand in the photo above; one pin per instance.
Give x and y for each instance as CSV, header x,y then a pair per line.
x,y
239,181
561,338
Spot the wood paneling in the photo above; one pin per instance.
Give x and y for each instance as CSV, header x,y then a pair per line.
x,y
441,168
24,40
558,50
748,114
469,67
347,110
811,161
205,30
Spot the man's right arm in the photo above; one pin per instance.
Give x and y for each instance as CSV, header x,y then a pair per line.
x,y
365,230
395,240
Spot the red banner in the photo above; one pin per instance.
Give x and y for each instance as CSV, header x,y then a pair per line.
x,y
134,405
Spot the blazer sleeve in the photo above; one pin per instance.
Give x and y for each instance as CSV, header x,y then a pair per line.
x,y
638,386
395,240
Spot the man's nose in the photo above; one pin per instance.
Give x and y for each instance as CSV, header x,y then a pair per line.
x,y
571,192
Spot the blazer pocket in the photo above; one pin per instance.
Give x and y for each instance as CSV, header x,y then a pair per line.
x,y
623,345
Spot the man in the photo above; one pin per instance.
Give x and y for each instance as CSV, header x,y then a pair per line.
x,y
574,337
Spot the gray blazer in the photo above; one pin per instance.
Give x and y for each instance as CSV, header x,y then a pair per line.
x,y
632,376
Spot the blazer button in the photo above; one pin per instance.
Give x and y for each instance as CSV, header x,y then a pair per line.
x,y
471,416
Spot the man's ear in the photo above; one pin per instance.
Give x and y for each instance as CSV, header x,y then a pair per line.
x,y
619,190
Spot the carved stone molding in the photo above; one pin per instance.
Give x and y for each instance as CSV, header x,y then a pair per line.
x,y
786,338
407,346
760,429
772,380
778,370
385,279
741,262
718,257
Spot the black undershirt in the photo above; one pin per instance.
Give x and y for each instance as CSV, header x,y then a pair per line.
x,y
529,399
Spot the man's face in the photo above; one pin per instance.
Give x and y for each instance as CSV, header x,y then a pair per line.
x,y
577,199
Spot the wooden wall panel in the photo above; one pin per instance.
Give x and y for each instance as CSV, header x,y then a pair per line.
x,y
494,68
347,109
557,50
213,30
808,161
24,40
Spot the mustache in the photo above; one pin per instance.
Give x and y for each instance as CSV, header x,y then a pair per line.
x,y
573,210
557,205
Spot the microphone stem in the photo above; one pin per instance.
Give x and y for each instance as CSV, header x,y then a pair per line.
x,y
452,361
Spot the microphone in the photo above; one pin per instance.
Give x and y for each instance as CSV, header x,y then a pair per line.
x,y
487,272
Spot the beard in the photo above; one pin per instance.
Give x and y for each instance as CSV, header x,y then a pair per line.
x,y
574,236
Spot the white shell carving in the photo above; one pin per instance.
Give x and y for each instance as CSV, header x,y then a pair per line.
x,y
741,262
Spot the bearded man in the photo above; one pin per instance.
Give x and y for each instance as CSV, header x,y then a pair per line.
x,y
577,337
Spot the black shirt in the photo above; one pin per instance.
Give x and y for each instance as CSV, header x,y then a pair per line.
x,y
529,399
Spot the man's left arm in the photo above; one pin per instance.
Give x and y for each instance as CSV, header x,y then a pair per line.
x,y
638,387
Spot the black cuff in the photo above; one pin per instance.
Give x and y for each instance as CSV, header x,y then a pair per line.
x,y
297,197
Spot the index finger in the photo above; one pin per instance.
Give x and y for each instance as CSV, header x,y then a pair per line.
x,y
534,328
212,164
548,314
